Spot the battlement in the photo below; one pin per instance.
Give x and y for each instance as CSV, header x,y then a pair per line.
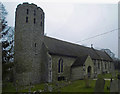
x,y
29,5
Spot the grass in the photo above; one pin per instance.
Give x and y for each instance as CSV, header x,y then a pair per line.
x,y
8,87
107,76
75,86
79,86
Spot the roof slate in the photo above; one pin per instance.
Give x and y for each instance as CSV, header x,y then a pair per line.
x,y
60,47
79,61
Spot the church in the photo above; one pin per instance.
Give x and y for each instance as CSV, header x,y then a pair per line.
x,y
42,59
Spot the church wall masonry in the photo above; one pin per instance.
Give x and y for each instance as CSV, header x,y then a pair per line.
x,y
40,59
67,62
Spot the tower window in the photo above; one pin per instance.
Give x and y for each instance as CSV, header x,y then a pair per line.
x,y
41,24
34,12
27,11
41,16
35,44
34,20
26,19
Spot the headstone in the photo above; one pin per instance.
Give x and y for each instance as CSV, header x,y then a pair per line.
x,y
30,87
118,76
119,86
99,86
46,87
113,74
114,86
50,88
87,85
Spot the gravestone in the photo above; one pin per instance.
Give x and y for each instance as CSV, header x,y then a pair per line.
x,y
114,86
99,86
46,87
119,86
50,88
118,76
113,74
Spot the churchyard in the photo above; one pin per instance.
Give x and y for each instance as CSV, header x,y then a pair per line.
x,y
85,85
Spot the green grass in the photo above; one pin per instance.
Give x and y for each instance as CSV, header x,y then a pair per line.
x,y
79,86
75,86
8,87
107,76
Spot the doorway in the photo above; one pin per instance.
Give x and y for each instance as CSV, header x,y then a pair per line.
x,y
89,71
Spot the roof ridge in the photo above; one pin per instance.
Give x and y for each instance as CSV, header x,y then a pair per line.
x,y
108,55
68,42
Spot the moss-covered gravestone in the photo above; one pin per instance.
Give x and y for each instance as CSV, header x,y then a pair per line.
x,y
46,87
114,86
87,83
99,86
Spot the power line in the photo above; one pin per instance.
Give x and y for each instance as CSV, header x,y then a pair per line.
x,y
98,35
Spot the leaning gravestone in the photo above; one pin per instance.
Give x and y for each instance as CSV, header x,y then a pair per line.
x,y
114,86
119,86
99,86
119,83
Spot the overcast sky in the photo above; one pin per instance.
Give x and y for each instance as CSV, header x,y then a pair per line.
x,y
76,21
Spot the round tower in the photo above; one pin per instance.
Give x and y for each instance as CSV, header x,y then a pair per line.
x,y
29,36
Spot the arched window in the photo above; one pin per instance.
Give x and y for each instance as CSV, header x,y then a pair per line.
x,y
60,65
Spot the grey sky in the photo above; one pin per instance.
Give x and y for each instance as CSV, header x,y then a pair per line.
x,y
76,21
